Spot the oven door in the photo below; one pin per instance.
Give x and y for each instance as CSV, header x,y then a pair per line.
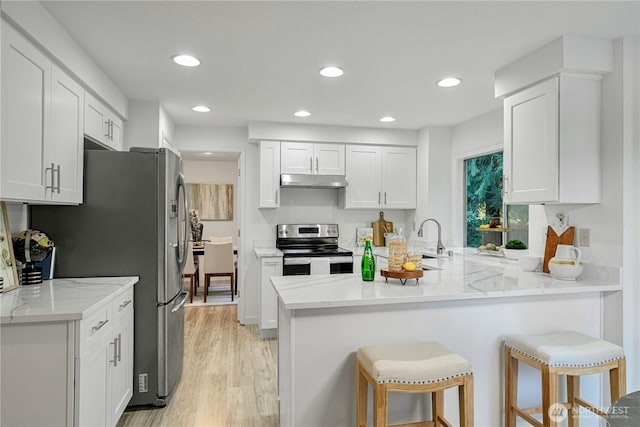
x,y
341,264
296,266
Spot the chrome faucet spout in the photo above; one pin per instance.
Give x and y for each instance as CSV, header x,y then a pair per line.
x,y
440,247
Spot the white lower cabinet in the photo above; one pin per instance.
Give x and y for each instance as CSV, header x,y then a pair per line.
x,y
78,373
268,319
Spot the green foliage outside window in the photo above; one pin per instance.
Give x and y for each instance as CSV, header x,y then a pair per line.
x,y
484,193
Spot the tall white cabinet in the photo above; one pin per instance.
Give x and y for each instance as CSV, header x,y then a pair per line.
x,y
42,126
552,142
380,177
269,174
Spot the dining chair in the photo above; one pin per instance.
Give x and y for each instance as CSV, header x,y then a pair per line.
x,y
218,261
190,270
226,239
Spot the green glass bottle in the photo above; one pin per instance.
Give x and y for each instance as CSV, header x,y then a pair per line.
x,y
368,264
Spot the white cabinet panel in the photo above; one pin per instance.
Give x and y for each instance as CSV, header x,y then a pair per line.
x,y
269,174
42,120
271,266
312,159
101,125
121,360
552,142
26,97
380,177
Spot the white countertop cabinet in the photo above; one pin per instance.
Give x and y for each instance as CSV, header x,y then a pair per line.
x,y
380,177
312,159
42,131
67,346
552,142
101,125
269,174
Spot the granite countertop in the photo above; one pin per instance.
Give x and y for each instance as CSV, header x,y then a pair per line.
x,y
60,299
462,277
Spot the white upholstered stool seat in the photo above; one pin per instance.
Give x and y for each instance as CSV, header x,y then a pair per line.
x,y
566,348
425,367
567,353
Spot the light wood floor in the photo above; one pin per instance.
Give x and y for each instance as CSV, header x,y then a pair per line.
x,y
229,376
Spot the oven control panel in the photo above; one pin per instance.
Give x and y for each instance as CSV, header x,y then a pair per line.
x,y
293,231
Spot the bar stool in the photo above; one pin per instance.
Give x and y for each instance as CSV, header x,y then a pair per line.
x,y
425,367
567,353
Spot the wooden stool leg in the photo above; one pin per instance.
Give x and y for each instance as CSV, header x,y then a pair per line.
x,y
511,388
618,380
573,391
549,395
380,398
437,407
191,280
362,388
465,402
207,282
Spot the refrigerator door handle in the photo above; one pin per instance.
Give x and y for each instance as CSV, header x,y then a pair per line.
x,y
181,300
182,261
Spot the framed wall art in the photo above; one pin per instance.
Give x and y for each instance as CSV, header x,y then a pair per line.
x,y
8,270
214,202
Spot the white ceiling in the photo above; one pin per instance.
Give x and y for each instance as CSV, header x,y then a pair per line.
x,y
260,59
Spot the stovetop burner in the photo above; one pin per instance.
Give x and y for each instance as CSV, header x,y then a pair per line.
x,y
309,240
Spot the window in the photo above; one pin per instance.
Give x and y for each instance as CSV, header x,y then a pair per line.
x,y
484,203
483,198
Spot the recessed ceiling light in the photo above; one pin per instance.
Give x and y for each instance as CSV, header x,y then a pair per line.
x,y
449,82
207,153
387,119
331,71
201,109
302,113
186,60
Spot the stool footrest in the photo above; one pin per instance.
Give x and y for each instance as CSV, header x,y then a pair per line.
x,y
590,407
416,424
524,414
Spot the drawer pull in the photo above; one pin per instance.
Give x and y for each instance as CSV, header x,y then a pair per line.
x,y
99,325
124,304
115,352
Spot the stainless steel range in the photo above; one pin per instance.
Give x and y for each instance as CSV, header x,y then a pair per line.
x,y
312,249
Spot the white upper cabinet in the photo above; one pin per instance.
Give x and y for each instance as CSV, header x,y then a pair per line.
x,y
312,159
42,117
380,177
102,125
269,174
552,142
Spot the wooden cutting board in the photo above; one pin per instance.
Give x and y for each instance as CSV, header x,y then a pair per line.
x,y
379,228
553,240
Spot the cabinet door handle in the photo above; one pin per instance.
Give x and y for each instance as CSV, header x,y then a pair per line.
x,y
58,180
378,197
124,304
505,189
111,130
317,165
115,352
106,135
310,164
277,195
385,197
53,181
99,325
119,347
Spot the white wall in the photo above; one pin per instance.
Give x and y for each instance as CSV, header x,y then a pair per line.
x,y
221,172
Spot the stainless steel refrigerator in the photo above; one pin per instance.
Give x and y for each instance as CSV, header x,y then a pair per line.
x,y
133,222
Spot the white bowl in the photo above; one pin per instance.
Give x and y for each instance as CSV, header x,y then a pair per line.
x,y
565,271
515,253
529,263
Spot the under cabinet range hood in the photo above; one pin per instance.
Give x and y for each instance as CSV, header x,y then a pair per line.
x,y
312,181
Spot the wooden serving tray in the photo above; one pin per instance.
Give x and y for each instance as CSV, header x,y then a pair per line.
x,y
403,275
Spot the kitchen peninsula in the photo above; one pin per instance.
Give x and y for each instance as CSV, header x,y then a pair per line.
x,y
467,302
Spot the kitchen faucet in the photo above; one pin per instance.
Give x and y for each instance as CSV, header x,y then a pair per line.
x,y
440,247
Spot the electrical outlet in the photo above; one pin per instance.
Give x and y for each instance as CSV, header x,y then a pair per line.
x,y
143,383
584,237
